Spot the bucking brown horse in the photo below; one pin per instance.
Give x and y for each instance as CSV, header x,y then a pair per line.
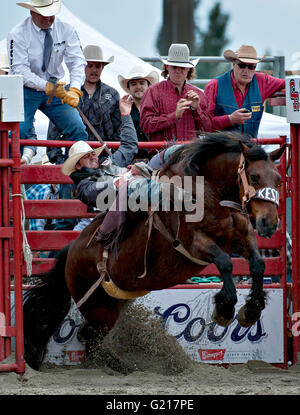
x,y
160,249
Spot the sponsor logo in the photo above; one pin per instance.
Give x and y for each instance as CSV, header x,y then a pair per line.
x,y
60,43
75,356
296,325
211,354
294,95
108,96
178,316
255,108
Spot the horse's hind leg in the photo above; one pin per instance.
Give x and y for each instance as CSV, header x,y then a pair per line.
x,y
100,319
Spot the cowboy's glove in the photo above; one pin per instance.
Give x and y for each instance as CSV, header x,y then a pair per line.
x,y
119,180
72,97
60,91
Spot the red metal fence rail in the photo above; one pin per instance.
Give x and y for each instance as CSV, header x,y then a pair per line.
x,y
10,242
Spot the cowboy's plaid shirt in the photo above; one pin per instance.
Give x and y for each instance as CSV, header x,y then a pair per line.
x,y
103,112
41,192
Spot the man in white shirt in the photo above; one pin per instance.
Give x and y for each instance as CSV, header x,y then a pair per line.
x,y
37,48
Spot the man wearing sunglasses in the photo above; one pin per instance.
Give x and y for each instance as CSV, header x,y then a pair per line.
x,y
236,99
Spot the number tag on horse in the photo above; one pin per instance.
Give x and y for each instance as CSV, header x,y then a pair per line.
x,y
269,194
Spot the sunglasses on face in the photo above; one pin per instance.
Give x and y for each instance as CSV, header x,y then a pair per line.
x,y
246,65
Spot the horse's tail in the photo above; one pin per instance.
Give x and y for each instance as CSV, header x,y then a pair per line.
x,y
44,307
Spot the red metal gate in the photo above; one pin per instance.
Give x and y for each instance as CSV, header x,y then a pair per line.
x,y
10,243
295,192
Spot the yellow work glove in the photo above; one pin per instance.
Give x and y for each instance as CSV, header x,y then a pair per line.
x,y
72,97
49,88
60,91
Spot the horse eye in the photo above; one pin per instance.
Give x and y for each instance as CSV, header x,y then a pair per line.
x,y
254,178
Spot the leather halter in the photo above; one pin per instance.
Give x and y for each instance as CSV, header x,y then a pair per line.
x,y
250,192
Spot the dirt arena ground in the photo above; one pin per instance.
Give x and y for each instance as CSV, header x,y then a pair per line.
x,y
159,367
253,378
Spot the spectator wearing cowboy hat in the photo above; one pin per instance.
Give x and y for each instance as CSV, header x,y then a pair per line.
x,y
99,103
236,99
173,109
136,84
36,50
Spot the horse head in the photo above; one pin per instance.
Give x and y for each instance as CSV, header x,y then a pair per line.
x,y
260,185
237,170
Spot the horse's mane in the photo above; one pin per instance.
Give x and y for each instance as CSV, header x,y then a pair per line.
x,y
211,145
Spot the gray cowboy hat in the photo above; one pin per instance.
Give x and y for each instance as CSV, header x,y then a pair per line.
x,y
93,53
179,55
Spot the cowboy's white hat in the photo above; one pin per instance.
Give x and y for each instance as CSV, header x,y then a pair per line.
x,y
179,55
44,7
245,53
4,64
93,53
78,150
138,72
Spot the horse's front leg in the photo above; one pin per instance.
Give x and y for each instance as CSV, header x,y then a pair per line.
x,y
205,248
251,311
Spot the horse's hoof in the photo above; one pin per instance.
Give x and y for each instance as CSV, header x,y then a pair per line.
x,y
221,321
34,356
241,318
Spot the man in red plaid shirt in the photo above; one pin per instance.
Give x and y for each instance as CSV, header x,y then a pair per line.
x,y
173,110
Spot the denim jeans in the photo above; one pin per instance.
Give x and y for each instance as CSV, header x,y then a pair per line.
x,y
66,118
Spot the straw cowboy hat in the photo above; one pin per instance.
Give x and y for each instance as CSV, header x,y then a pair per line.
x,y
44,7
78,150
245,53
138,72
4,64
93,53
179,55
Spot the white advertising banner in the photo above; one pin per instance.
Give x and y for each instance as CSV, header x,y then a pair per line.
x,y
186,315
